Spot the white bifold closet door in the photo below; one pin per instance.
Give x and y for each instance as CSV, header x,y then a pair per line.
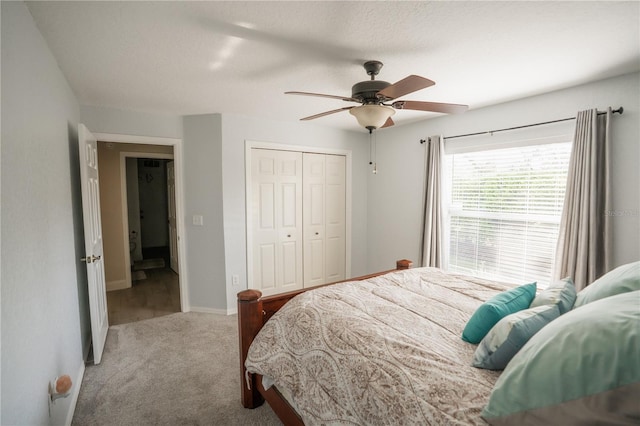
x,y
277,220
323,218
298,222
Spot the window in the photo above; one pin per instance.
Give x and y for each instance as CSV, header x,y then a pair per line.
x,y
504,211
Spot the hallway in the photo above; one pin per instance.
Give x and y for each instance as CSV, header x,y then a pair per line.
x,y
155,296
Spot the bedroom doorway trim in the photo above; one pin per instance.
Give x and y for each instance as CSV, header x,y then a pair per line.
x,y
249,145
178,159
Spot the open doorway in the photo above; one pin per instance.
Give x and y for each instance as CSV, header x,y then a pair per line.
x,y
136,192
148,212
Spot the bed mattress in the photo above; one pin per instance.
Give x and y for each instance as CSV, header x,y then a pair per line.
x,y
382,351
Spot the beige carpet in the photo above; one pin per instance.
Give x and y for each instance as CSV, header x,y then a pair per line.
x,y
180,369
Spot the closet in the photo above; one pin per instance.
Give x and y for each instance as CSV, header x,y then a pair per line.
x,y
298,219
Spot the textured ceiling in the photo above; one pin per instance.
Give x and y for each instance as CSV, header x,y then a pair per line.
x,y
239,57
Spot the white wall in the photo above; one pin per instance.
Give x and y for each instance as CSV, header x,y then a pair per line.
x,y
43,281
395,193
238,129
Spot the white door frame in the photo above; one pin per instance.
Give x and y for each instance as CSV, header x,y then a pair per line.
x,y
179,170
170,180
249,145
125,203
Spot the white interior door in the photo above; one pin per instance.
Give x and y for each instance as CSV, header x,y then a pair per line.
x,y
88,151
173,229
277,220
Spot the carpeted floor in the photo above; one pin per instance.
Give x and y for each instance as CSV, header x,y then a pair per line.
x,y
180,369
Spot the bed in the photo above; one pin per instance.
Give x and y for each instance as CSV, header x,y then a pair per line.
x,y
387,349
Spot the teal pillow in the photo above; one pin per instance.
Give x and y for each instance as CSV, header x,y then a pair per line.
x,y
581,368
562,294
510,334
496,308
621,280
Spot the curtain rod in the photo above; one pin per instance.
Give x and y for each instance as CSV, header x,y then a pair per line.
x,y
615,111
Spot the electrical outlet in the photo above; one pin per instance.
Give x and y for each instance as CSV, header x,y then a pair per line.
x,y
235,280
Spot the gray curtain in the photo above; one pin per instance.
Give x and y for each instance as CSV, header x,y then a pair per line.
x,y
431,248
584,244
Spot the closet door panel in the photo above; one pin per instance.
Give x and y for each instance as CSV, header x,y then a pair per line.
x,y
314,269
290,266
314,219
289,208
334,265
335,228
267,206
277,220
267,266
316,204
264,225
298,219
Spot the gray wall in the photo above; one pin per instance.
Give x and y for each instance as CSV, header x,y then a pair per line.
x,y
44,302
201,137
394,215
43,281
214,188
126,122
203,196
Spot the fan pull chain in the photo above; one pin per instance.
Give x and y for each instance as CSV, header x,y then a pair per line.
x,y
372,152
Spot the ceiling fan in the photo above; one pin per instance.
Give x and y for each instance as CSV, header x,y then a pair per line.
x,y
374,96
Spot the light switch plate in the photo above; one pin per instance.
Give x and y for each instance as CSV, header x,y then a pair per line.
x,y
197,220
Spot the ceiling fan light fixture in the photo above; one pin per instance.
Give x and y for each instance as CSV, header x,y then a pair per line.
x,y
372,116
374,112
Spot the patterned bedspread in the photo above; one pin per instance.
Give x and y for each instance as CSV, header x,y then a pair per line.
x,y
382,351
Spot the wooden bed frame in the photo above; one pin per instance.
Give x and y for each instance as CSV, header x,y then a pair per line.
x,y
253,312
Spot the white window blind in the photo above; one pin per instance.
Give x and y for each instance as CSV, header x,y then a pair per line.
x,y
504,211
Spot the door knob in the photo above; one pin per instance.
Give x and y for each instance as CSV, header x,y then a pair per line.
x,y
90,259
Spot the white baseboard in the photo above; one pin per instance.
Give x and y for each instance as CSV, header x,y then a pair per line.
x,y
117,285
74,396
213,310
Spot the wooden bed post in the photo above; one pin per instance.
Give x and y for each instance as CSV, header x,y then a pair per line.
x,y
250,321
403,264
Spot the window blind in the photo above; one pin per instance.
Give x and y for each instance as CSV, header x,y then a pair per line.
x,y
504,211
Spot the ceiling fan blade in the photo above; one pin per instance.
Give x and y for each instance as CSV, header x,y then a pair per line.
x,y
342,98
388,123
430,106
322,114
405,86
